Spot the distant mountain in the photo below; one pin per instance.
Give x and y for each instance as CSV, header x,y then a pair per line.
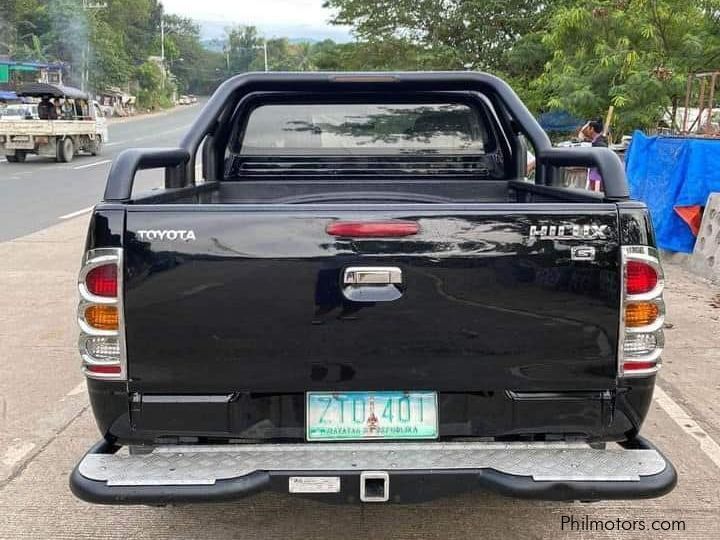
x,y
212,33
297,40
214,44
218,44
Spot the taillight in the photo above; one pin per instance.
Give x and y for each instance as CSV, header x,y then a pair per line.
x,y
100,315
99,369
640,277
102,280
643,344
643,312
372,229
640,314
102,347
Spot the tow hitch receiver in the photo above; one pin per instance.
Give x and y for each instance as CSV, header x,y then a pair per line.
x,y
374,486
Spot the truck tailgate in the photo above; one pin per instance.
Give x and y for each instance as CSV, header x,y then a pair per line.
x,y
47,127
490,299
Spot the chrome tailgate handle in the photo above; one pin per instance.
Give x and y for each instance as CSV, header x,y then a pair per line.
x,y
372,275
372,283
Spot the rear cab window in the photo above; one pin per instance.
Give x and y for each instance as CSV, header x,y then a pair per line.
x,y
426,136
359,129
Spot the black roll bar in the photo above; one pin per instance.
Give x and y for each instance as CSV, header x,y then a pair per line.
x,y
605,160
122,172
232,90
180,168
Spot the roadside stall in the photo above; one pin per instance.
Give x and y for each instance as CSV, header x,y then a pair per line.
x,y
115,102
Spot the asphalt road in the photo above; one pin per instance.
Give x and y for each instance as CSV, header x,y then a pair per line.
x,y
41,192
46,424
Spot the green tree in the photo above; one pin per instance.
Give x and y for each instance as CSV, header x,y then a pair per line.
x,y
453,33
153,91
21,24
208,72
109,64
283,56
240,48
68,30
327,55
633,54
139,23
183,51
388,54
113,42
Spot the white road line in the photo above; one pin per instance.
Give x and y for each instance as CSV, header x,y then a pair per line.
x,y
87,165
78,213
113,143
77,390
686,422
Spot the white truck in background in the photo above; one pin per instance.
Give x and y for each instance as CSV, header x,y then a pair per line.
x,y
80,126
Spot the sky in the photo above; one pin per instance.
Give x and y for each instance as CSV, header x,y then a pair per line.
x,y
274,18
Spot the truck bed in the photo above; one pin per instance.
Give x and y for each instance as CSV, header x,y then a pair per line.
x,y
47,127
348,189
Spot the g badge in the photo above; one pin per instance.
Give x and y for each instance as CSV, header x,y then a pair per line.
x,y
582,253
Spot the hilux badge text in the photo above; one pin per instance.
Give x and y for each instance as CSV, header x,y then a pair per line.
x,y
167,234
560,232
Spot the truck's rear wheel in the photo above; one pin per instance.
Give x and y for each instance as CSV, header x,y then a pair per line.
x,y
65,150
19,157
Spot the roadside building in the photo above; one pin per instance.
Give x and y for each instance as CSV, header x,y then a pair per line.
x,y
14,74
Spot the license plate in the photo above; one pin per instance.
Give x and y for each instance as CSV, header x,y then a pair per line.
x,y
346,416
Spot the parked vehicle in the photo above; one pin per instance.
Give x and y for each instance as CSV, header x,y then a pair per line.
x,y
76,124
366,300
184,100
106,110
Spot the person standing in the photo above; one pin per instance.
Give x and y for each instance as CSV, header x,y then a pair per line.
x,y
46,110
593,131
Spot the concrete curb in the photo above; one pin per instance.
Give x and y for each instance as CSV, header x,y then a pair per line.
x,y
142,116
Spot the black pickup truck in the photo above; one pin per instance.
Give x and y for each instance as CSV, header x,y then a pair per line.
x,y
364,298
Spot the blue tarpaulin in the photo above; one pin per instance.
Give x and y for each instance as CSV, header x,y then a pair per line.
x,y
559,122
670,174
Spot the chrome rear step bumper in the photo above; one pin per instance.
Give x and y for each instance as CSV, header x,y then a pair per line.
x,y
202,473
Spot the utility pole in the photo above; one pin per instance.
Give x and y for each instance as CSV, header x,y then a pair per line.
x,y
162,50
265,55
88,5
